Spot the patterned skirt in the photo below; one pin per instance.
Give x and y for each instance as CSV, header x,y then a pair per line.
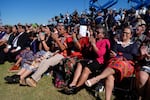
x,y
123,68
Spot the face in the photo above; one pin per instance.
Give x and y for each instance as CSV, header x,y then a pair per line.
x,y
100,34
139,30
55,30
9,30
126,35
143,27
43,28
20,29
14,29
61,29
47,30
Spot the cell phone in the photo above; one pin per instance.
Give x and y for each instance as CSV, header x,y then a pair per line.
x,y
83,30
43,33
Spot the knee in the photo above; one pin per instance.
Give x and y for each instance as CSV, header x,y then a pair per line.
x,y
79,65
142,80
110,78
86,71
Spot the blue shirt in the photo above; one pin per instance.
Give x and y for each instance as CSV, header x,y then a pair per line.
x,y
129,52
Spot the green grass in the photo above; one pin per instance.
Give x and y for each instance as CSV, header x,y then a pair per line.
x,y
45,90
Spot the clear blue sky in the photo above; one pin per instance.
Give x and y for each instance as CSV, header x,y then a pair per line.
x,y
40,11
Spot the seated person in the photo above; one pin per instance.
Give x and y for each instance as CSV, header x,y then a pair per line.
x,y
4,37
142,75
29,65
45,44
61,40
34,46
118,66
18,44
88,66
32,66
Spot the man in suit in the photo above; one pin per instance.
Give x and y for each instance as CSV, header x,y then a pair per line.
x,y
19,43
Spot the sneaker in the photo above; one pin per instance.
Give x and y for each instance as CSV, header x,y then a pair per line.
x,y
31,82
70,90
12,79
14,68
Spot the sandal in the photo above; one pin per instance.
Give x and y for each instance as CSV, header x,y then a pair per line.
x,y
72,85
91,82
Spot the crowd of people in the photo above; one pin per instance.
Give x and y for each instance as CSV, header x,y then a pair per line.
x,y
81,49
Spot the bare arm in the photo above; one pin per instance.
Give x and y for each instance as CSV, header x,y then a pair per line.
x,y
76,42
62,47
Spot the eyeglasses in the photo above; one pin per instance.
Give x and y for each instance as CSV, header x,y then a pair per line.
x,y
98,32
126,32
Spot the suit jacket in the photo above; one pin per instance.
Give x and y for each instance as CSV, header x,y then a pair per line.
x,y
23,41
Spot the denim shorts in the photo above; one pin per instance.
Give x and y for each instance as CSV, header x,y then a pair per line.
x,y
28,67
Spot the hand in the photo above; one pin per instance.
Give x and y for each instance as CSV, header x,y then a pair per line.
x,y
6,50
112,54
13,50
143,50
92,40
73,35
41,36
